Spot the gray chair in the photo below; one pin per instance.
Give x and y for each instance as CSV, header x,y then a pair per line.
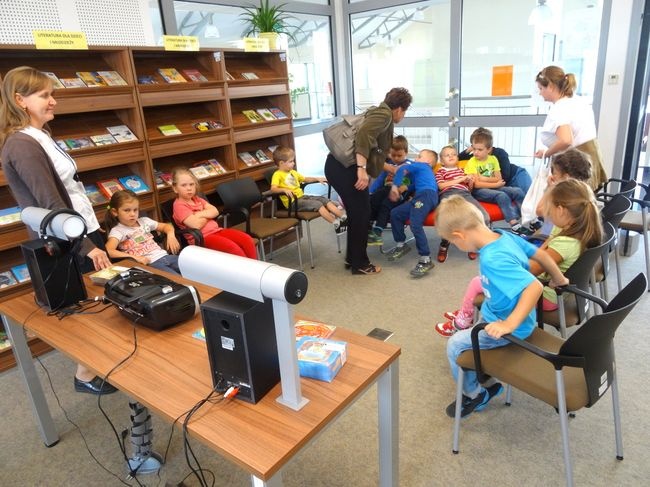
x,y
566,374
637,221
612,212
239,196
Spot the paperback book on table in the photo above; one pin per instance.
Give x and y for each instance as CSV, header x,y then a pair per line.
x,y
320,358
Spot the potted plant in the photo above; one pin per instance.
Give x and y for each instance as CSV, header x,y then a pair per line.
x,y
267,21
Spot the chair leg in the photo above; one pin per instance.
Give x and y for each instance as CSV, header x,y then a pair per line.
x,y
617,418
560,312
508,395
338,242
564,425
298,244
260,244
311,250
646,247
618,269
459,407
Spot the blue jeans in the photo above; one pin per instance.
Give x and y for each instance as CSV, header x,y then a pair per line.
x,y
168,263
415,210
521,179
457,344
505,196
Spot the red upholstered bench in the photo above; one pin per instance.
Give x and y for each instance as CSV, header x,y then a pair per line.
x,y
492,209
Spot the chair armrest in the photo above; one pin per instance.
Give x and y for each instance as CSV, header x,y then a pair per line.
x,y
558,361
242,211
572,289
195,233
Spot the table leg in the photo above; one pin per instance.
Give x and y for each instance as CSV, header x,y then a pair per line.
x,y
388,402
25,364
275,481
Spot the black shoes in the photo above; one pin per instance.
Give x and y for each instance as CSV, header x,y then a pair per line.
x,y
94,386
476,404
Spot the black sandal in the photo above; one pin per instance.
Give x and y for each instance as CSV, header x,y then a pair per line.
x,y
369,269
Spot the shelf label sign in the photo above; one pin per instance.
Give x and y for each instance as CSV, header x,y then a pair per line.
x,y
256,44
181,43
57,39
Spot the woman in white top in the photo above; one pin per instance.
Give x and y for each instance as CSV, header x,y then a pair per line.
x,y
570,121
40,174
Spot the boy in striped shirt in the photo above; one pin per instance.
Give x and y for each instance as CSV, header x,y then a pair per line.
x,y
453,180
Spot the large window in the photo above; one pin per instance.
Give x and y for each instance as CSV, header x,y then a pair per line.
x,y
309,50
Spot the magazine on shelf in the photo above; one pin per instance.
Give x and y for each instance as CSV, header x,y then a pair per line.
x,y
266,113
95,196
206,125
211,170
170,129
194,75
249,75
103,139
61,143
229,76
109,186
56,84
272,148
122,133
200,171
158,178
72,82
91,78
262,157
217,166
9,215
21,273
112,78
7,279
279,114
253,116
146,79
248,158
79,143
134,183
171,75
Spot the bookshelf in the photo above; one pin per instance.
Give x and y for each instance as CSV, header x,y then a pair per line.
x,y
144,104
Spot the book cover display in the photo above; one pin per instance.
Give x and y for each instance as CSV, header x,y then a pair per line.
x,y
248,158
320,358
109,186
72,82
134,183
103,139
277,113
111,78
262,157
194,75
121,133
79,143
171,75
9,215
266,114
7,279
21,273
200,172
95,196
253,116
170,129
56,84
146,79
249,75
91,78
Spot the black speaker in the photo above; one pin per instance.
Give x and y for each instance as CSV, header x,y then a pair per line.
x,y
243,352
55,276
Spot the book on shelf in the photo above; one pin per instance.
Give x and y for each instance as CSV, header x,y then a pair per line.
x,y
72,82
95,196
200,171
7,279
206,125
262,157
217,166
211,170
170,129
171,75
266,114
313,329
320,358
56,84
134,183
147,79
277,113
105,275
229,76
253,116
166,177
91,78
9,215
109,186
272,148
122,133
111,78
79,143
194,75
248,158
249,75
158,178
103,139
21,273
61,143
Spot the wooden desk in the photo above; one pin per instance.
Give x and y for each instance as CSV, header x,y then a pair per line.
x,y
170,373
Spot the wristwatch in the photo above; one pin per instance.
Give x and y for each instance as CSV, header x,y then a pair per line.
x,y
362,167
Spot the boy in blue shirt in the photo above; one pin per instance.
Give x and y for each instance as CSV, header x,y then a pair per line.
x,y
416,210
511,291
380,203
